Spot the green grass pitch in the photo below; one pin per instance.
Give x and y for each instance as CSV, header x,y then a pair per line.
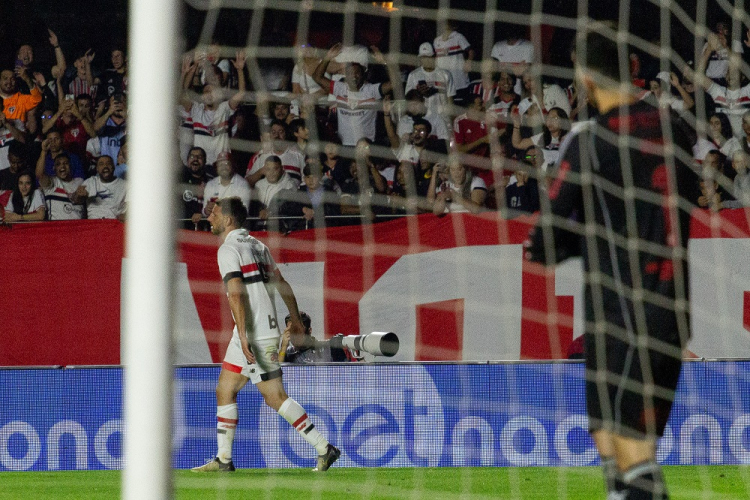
x,y
467,483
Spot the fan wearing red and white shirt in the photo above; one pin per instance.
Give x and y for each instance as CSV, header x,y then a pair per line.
x,y
59,190
514,54
291,157
732,100
434,84
209,114
453,52
356,100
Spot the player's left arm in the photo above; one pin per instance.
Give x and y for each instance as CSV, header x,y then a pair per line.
x,y
239,303
287,295
565,197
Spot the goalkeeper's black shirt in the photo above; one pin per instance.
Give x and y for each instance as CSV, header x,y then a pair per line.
x,y
614,203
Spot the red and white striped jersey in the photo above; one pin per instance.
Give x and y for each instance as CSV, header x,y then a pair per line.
x,y
211,129
244,257
733,103
357,111
449,54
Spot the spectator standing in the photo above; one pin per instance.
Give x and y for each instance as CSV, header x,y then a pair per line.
x,y
83,83
514,54
115,79
9,134
16,105
732,99
454,54
110,129
356,99
76,128
53,149
434,84
471,131
718,53
210,114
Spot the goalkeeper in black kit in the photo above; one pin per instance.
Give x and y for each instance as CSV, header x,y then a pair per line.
x,y
621,201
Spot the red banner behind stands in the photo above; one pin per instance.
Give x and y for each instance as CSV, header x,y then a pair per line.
x,y
60,293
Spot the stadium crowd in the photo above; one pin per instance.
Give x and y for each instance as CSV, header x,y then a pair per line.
x,y
348,135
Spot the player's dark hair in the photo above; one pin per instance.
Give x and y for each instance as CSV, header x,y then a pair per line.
x,y
601,55
233,207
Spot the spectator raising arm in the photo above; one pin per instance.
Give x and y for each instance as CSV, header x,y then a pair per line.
x,y
60,66
319,73
44,180
390,129
239,65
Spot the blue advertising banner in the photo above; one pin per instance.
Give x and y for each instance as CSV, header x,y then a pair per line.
x,y
380,415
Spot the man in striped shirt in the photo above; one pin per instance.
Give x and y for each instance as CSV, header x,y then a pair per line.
x,y
252,280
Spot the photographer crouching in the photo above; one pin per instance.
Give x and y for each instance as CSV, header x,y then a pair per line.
x,y
301,348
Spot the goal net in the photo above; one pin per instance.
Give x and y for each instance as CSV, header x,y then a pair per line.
x,y
469,109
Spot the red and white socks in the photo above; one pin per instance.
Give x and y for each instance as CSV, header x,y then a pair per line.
x,y
297,417
226,425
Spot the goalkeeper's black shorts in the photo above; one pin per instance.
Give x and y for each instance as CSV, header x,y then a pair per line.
x,y
630,389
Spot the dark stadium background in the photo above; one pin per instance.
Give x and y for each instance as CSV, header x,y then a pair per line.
x,y
102,24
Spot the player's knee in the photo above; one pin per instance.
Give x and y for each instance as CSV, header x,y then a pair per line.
x,y
225,394
275,399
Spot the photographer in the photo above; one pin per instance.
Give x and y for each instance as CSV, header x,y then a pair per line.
x,y
301,348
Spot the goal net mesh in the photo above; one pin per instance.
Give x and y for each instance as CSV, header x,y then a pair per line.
x,y
453,284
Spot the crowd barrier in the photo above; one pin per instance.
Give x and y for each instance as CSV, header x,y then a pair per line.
x,y
380,415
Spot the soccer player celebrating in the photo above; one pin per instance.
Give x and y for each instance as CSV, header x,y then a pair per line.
x,y
623,206
251,278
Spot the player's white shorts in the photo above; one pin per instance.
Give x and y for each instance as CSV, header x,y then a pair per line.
x,y
266,366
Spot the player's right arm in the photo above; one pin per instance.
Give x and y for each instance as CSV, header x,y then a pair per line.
x,y
230,267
